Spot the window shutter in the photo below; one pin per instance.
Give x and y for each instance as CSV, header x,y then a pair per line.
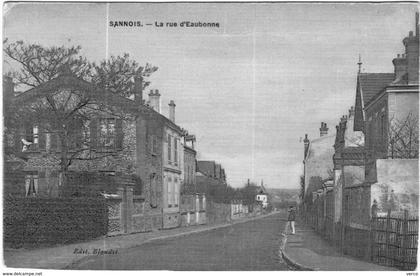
x,y
29,132
79,138
119,134
150,144
18,143
169,149
57,137
155,141
53,139
41,139
93,133
76,136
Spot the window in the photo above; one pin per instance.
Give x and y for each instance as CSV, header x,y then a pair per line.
x,y
369,133
153,192
383,131
170,191
30,142
153,145
36,134
169,149
187,175
107,133
176,192
31,184
176,151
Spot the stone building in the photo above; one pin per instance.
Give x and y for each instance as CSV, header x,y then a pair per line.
x,y
120,138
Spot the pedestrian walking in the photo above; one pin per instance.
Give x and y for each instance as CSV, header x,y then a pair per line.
x,y
291,219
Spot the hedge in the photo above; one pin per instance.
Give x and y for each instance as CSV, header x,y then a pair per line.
x,y
33,222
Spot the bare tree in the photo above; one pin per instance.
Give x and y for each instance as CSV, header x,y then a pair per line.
x,y
117,73
403,137
37,64
67,113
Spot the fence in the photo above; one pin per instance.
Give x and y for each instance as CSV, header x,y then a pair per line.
x,y
395,241
390,240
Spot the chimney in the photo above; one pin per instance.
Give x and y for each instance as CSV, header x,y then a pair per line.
x,y
400,66
323,130
411,44
351,112
154,100
172,111
138,90
306,146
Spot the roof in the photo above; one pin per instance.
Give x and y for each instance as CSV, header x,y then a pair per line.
x,y
70,80
372,84
369,85
206,167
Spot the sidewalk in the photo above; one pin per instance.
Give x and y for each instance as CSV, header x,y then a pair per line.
x,y
306,250
63,256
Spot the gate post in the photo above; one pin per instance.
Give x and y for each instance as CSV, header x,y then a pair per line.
x,y
197,209
126,218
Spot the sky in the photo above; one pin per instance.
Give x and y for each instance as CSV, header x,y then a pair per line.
x,y
250,89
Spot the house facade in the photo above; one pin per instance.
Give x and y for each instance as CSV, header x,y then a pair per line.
x,y
262,196
123,139
190,161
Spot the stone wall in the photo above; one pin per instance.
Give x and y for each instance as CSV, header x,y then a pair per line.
x,y
114,215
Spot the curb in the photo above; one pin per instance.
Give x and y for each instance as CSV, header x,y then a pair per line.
x,y
78,261
286,258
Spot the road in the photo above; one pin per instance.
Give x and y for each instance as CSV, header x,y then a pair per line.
x,y
252,245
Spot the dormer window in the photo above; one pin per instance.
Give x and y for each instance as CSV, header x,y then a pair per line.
x,y
107,133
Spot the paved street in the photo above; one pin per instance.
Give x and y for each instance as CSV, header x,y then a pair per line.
x,y
252,245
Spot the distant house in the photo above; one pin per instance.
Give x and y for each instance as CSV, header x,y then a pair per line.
x,y
133,140
210,172
262,196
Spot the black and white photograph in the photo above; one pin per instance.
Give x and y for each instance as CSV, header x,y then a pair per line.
x,y
210,136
